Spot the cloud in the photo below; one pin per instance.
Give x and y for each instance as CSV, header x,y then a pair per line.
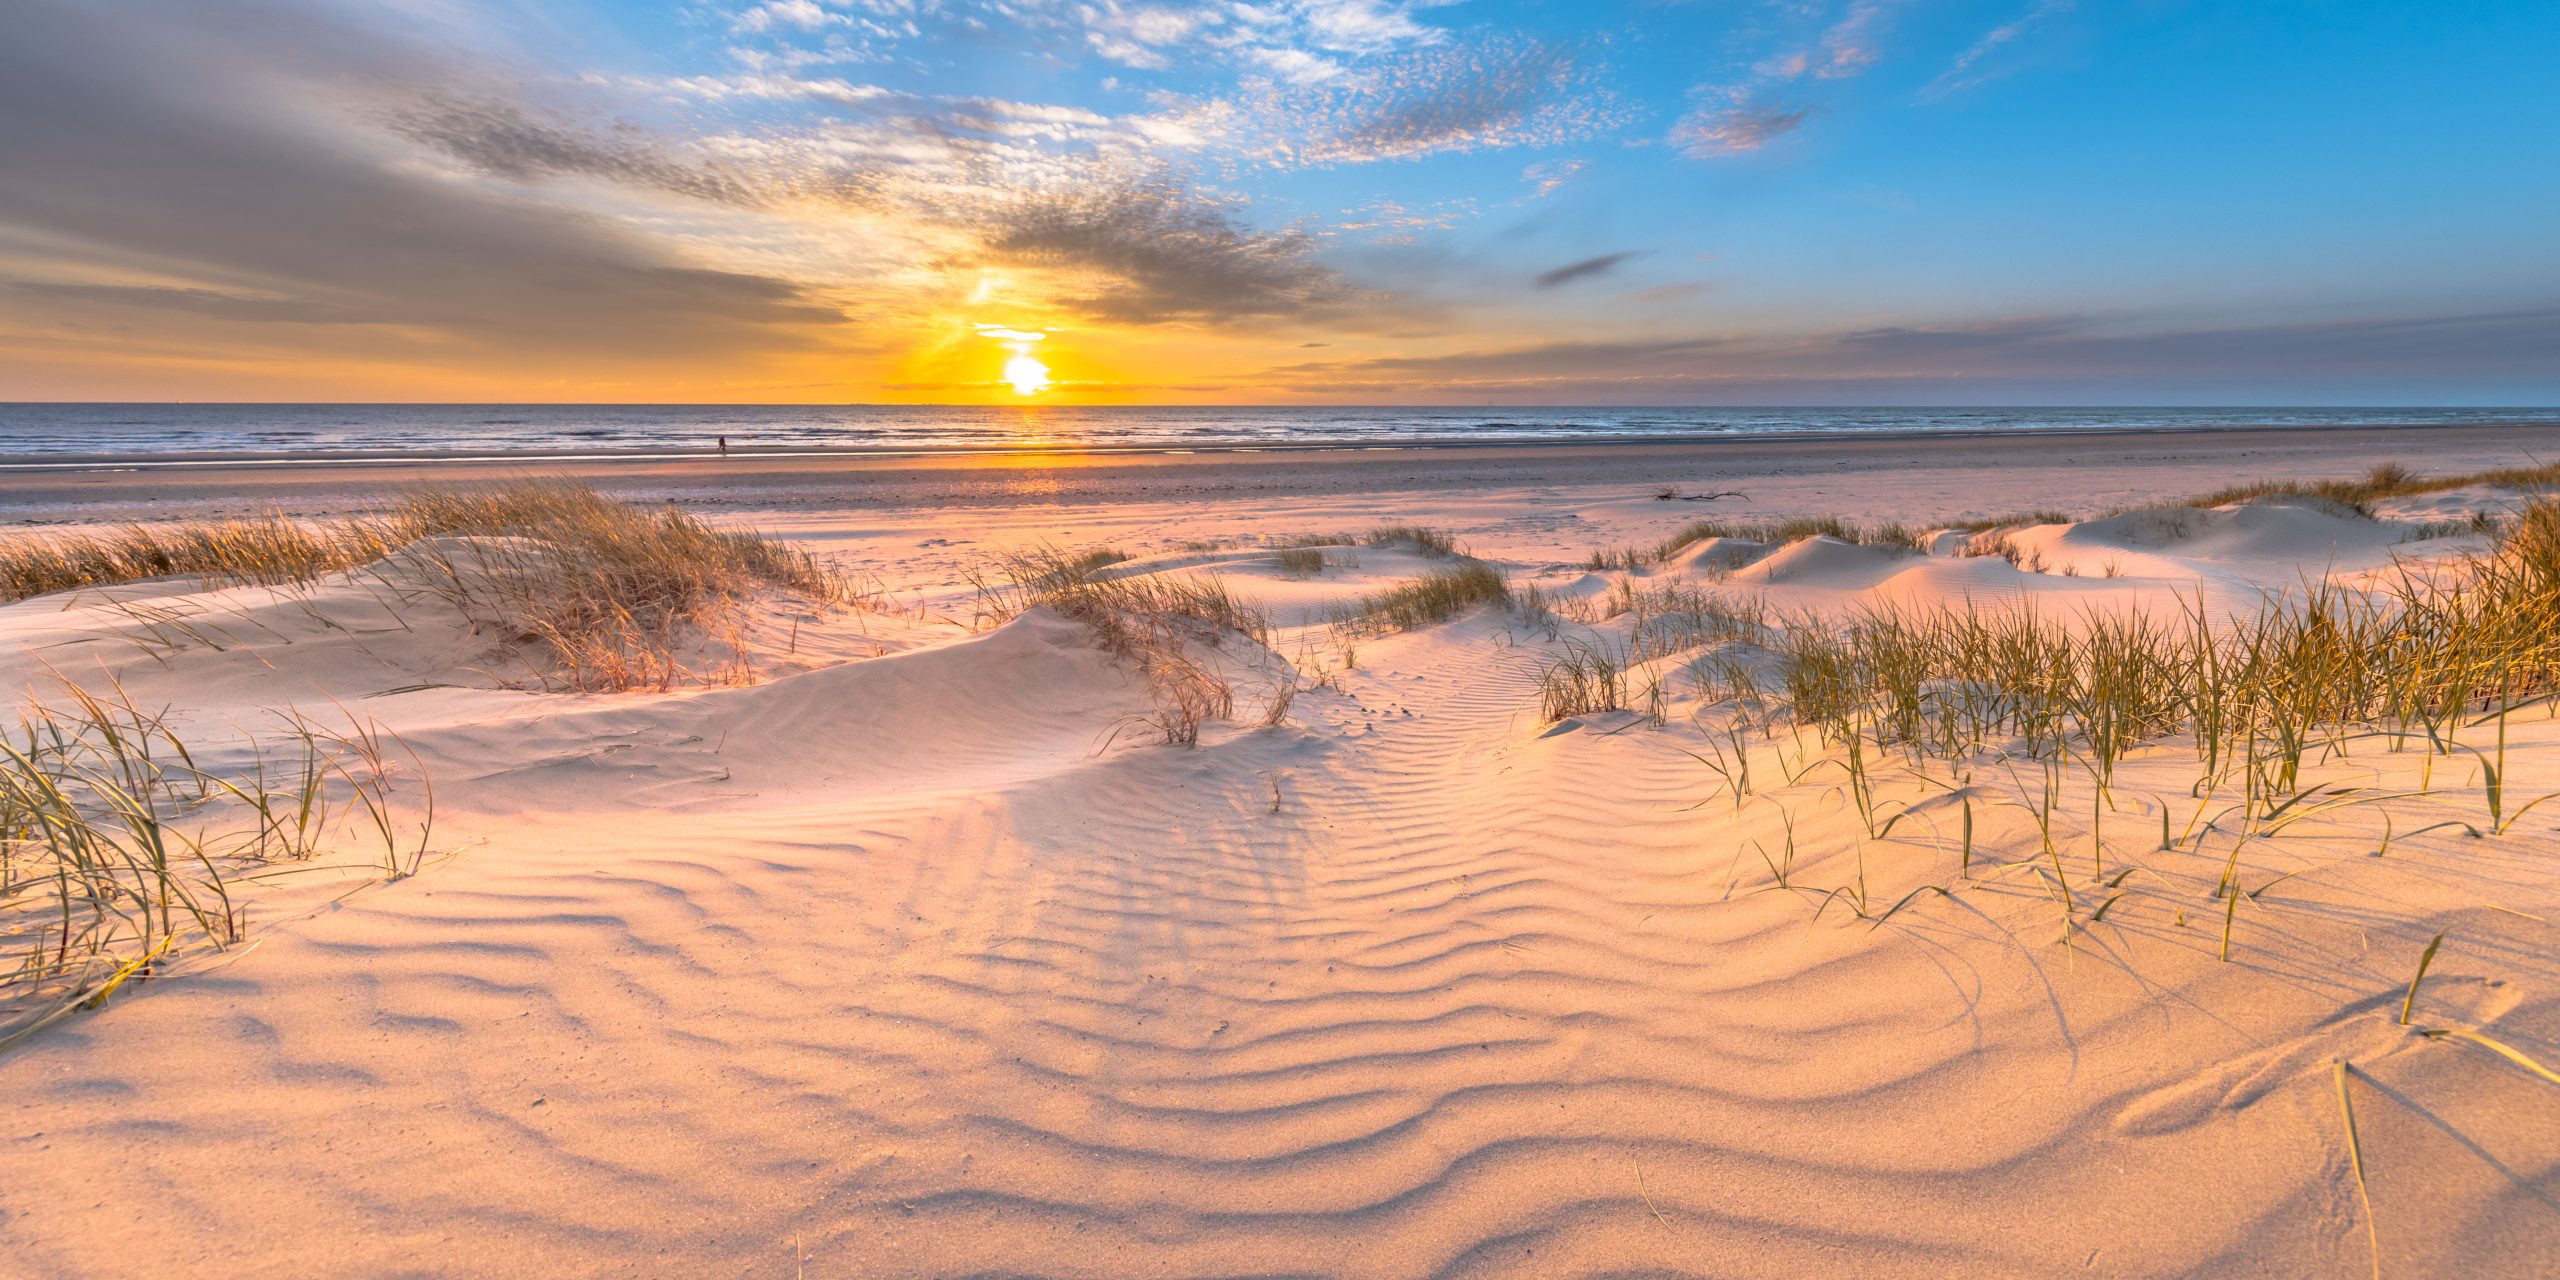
x,y
1852,44
1397,224
1066,195
1153,251
502,139
1932,340
1578,362
1301,41
194,169
1736,117
1362,26
1727,131
467,214
1297,66
1959,75
1458,102
1582,270
2491,343
804,14
1136,36
203,302
1003,334
1490,94
1549,176
2015,360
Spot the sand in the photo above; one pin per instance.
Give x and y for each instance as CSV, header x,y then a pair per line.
x,y
907,960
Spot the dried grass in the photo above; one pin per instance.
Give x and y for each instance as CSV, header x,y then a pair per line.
x,y
120,854
1157,622
1434,597
618,593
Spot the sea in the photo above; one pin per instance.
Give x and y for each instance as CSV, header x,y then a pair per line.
x,y
42,434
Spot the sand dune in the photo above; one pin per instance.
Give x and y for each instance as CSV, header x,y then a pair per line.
x,y
899,961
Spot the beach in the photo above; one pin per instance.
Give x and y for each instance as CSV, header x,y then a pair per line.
x,y
935,930
1931,475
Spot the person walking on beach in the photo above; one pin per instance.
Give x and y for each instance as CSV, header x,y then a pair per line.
x,y
724,446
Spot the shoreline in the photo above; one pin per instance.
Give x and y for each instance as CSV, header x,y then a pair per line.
x,y
80,462
1917,475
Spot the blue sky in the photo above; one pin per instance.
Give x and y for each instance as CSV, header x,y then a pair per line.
x,y
1815,201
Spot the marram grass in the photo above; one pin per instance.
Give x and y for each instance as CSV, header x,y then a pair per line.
x,y
120,855
617,592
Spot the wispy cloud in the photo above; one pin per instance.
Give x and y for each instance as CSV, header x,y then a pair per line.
x,y
1961,75
1488,94
1362,26
1396,223
1853,43
807,15
1745,115
1733,130
1153,252
1137,36
1583,270
1940,339
502,139
1547,177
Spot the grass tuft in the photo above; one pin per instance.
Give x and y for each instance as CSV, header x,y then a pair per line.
x,y
1434,597
120,854
1585,680
2386,480
1430,542
1301,562
1884,534
1157,622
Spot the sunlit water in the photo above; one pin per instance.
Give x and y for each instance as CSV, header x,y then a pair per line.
x,y
61,431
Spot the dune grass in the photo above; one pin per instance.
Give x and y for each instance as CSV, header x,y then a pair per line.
x,y
1588,677
1434,597
1792,529
616,591
2359,495
1773,532
120,854
265,550
2014,520
2387,480
2408,658
1301,562
2411,657
1158,622
1430,542
1663,622
2433,656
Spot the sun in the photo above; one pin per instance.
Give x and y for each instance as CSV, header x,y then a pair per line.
x,y
1028,376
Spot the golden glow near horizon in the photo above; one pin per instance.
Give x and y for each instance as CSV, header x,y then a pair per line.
x,y
1024,371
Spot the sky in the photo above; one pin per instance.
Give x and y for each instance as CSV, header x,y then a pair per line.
x,y
1776,202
